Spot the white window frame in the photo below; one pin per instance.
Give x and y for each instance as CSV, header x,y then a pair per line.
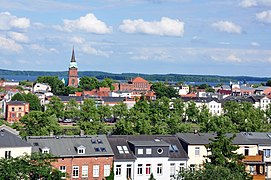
x,y
74,170
148,166
197,151
139,151
172,169
148,151
107,170
159,169
118,170
63,170
140,169
96,170
85,171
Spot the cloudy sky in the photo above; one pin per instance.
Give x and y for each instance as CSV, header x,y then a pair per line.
x,y
231,37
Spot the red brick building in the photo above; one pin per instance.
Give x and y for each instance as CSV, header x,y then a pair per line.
x,y
73,72
137,83
79,157
15,110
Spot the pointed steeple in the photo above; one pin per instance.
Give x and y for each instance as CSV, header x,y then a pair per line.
x,y
73,56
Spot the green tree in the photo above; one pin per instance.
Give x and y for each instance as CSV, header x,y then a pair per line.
x,y
72,110
31,167
191,112
55,107
152,177
268,83
18,97
33,100
38,123
88,83
162,90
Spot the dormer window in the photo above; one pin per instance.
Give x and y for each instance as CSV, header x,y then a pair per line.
x,y
45,150
81,149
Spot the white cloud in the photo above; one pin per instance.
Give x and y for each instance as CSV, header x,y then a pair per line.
x,y
86,48
88,23
224,43
164,27
41,50
254,3
264,16
150,54
254,44
19,37
9,45
8,21
227,26
234,58
77,40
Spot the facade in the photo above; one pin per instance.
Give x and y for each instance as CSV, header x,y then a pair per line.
x,y
15,110
137,83
80,157
73,74
41,87
139,156
11,144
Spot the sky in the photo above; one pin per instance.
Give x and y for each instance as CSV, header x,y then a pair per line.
x,y
214,37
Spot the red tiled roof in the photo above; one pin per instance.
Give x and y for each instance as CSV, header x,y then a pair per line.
x,y
139,79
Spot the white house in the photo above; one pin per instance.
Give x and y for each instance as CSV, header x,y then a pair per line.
x,y
41,87
137,157
11,144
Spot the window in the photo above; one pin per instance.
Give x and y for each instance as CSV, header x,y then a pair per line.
x,y
118,170
106,170
45,150
7,154
103,149
192,167
120,149
173,148
172,169
97,149
95,170
140,169
197,151
63,170
266,153
20,109
246,151
129,171
140,151
93,141
148,168
75,171
13,109
159,150
19,114
85,171
181,167
251,169
126,151
81,150
148,151
99,141
159,169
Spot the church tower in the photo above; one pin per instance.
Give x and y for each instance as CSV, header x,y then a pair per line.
x,y
73,74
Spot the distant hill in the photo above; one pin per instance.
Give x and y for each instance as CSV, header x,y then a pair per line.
x,y
126,76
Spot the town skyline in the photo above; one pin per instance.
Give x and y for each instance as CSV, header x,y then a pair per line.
x,y
143,36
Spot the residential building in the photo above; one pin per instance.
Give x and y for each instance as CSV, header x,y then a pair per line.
x,y
137,83
79,157
139,156
41,87
11,144
15,110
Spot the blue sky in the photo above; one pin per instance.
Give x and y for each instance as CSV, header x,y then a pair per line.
x,y
231,37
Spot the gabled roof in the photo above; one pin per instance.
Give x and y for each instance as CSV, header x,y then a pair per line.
x,y
17,103
112,99
11,139
200,99
68,98
196,138
66,146
138,79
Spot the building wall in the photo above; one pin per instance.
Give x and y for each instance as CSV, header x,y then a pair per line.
x,y
253,149
122,175
196,159
82,161
73,77
17,113
15,151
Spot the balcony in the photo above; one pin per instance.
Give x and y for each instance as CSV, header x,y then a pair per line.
x,y
258,177
256,158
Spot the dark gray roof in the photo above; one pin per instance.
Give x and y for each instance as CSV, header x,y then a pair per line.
x,y
8,139
112,99
17,103
239,99
67,98
65,146
146,140
196,138
261,88
260,138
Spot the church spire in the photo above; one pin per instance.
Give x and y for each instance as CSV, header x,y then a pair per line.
x,y
73,56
